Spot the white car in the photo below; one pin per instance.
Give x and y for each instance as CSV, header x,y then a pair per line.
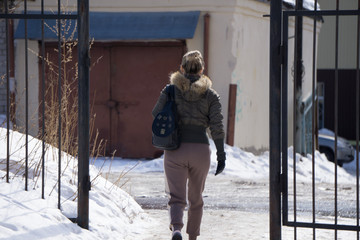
x,y
345,151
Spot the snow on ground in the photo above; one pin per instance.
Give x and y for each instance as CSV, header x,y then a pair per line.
x,y
247,166
113,213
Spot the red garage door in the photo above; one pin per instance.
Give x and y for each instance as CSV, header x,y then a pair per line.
x,y
125,82
125,85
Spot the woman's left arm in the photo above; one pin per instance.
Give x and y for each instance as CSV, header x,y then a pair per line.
x,y
217,129
215,116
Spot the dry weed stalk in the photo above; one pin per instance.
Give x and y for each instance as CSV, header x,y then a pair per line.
x,y
65,110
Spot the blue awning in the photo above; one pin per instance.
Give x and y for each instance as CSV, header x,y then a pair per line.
x,y
121,26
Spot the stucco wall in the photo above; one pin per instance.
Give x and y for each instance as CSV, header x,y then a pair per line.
x,y
250,51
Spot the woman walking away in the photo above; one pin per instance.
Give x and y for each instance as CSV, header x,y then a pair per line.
x,y
186,168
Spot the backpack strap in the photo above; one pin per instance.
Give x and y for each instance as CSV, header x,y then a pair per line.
x,y
170,89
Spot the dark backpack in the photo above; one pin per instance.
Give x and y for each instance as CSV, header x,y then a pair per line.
x,y
165,130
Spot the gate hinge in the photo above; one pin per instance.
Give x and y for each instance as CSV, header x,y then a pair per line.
x,y
282,54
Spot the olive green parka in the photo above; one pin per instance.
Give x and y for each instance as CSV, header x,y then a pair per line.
x,y
198,105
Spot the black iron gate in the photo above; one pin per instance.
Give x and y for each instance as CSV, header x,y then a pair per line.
x,y
284,211
11,12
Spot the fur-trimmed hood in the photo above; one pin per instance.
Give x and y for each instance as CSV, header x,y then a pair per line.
x,y
190,91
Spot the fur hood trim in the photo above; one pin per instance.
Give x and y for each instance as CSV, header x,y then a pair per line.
x,y
199,87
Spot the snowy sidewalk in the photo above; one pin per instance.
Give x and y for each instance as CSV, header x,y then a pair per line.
x,y
235,208
237,225
217,224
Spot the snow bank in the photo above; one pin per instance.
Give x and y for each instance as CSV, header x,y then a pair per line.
x,y
23,214
249,166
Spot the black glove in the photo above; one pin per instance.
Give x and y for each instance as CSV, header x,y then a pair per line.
x,y
220,167
221,156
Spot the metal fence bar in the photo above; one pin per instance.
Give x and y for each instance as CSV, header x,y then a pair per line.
x,y
59,96
309,13
7,97
26,102
84,183
314,108
313,224
37,16
294,159
296,100
357,121
336,110
84,107
284,116
43,101
323,226
275,119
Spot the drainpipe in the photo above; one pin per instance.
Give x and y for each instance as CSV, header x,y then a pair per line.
x,y
230,132
206,42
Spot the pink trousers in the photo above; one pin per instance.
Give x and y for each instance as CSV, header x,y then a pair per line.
x,y
186,170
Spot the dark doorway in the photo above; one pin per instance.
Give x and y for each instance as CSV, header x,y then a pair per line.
x,y
347,100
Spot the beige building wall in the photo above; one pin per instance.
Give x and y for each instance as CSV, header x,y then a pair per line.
x,y
250,62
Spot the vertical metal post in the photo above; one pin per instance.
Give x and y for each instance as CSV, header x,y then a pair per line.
x,y
284,119
336,117
297,115
12,103
298,72
314,118
26,100
84,113
275,119
59,96
357,121
43,102
7,97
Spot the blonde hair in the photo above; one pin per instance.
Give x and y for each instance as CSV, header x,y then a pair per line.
x,y
192,62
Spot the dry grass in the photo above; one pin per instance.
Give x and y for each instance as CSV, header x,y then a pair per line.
x,y
61,115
